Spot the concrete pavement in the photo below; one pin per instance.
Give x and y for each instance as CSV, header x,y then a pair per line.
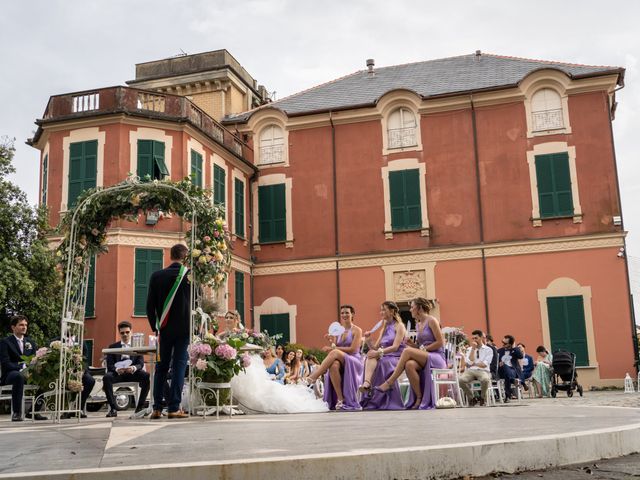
x,y
526,435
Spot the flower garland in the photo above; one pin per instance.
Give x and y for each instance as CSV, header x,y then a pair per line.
x,y
43,367
131,198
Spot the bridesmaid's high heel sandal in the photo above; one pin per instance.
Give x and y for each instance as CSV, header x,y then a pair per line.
x,y
339,405
384,387
416,404
365,387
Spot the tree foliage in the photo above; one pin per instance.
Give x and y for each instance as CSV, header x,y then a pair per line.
x,y
29,282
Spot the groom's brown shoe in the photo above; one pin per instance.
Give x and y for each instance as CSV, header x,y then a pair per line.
x,y
156,414
178,414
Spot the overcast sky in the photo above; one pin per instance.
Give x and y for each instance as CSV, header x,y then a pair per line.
x,y
50,47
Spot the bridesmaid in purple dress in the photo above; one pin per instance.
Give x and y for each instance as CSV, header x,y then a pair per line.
x,y
382,359
343,365
418,360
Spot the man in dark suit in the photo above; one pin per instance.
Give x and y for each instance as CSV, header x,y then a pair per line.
x,y
509,366
12,348
118,373
168,311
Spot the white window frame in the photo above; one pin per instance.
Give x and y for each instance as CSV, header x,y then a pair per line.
x,y
144,133
277,305
545,149
235,173
270,128
75,136
404,164
551,79
273,179
196,146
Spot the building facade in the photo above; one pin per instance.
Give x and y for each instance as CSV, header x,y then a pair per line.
x,y
487,183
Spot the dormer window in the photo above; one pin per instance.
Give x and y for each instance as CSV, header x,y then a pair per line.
x,y
546,110
271,145
401,129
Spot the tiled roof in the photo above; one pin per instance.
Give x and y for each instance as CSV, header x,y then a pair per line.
x,y
428,79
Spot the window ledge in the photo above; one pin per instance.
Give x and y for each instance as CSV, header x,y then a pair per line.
x,y
138,315
555,131
263,166
287,244
587,367
412,148
537,222
424,232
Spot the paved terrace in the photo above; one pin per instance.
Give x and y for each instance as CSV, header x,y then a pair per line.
x,y
526,435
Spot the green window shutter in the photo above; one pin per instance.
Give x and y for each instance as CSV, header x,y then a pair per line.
x,y
145,159
151,164
218,185
147,261
404,196
45,173
276,323
83,164
554,185
567,326
196,168
272,213
239,289
239,207
562,183
159,167
90,305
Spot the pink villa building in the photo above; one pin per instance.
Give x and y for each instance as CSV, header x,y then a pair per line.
x,y
486,182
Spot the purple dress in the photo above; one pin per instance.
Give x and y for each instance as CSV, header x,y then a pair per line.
x,y
351,373
434,360
391,399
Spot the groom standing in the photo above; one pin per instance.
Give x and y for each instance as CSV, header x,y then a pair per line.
x,y
168,311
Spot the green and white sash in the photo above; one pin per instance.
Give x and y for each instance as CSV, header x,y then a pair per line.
x,y
161,322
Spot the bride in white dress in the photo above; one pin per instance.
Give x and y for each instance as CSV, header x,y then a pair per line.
x,y
255,390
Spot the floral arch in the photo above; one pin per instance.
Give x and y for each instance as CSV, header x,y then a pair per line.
x,y
84,229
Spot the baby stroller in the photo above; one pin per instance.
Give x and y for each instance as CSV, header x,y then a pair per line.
x,y
564,375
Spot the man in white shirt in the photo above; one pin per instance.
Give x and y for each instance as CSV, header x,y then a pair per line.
x,y
124,368
477,363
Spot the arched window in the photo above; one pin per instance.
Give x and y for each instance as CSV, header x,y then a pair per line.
x,y
402,128
546,110
271,145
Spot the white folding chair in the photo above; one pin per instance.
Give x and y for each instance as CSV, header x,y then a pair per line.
x,y
448,376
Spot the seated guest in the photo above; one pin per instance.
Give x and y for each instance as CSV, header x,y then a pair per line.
x,y
273,365
526,364
304,366
280,353
477,368
508,366
312,363
342,367
542,372
293,365
12,348
118,373
381,361
420,357
493,368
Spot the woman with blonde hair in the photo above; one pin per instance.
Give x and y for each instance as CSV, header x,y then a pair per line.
x,y
418,359
382,358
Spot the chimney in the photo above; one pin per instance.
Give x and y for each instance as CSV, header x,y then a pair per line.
x,y
478,54
370,63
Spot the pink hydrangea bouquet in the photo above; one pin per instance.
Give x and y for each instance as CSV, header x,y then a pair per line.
x,y
215,361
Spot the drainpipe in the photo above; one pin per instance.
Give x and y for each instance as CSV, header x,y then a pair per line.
x,y
634,338
480,214
252,178
335,210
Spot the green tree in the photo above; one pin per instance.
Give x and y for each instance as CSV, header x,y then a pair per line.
x,y
29,282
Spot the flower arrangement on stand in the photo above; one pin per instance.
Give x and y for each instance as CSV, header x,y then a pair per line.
x,y
217,361
43,368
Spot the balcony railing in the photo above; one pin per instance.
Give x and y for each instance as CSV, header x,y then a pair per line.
x,y
402,137
547,120
271,154
113,100
86,102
